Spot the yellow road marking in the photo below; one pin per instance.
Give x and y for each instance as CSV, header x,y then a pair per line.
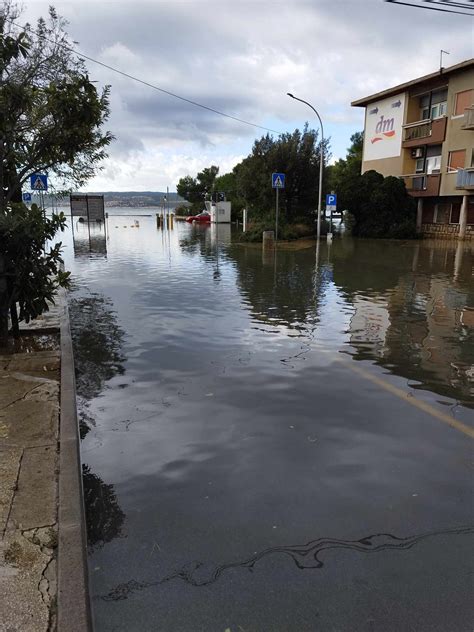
x,y
409,399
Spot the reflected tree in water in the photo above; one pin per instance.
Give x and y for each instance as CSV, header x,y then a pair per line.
x,y
104,516
97,340
279,286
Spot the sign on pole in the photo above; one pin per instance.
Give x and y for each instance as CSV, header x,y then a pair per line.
x,y
278,180
26,197
331,202
39,182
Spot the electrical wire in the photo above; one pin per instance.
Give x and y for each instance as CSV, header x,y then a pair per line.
x,y
142,81
445,4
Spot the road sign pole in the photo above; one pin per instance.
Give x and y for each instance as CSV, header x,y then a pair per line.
x,y
88,222
276,217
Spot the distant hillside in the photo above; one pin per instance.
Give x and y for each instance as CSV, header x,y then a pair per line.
x,y
134,199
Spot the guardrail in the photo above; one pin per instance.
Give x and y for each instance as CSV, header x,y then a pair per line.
x,y
422,184
465,179
468,118
425,132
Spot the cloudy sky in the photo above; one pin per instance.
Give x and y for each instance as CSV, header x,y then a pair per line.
x,y
242,58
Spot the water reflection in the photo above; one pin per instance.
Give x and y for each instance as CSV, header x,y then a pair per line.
x,y
412,311
237,439
97,340
104,516
89,238
279,287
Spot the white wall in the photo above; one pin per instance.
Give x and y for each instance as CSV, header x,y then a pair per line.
x,y
383,128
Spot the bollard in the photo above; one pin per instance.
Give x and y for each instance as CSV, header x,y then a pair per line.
x,y
171,216
329,237
268,239
158,221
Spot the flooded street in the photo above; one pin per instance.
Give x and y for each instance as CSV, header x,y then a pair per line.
x,y
276,442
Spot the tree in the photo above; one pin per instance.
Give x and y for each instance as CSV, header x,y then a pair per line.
x,y
194,190
343,177
381,207
297,155
51,118
29,273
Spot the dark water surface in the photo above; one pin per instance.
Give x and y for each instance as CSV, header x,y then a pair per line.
x,y
278,442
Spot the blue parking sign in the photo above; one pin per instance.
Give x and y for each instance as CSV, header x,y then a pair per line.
x,y
26,197
331,201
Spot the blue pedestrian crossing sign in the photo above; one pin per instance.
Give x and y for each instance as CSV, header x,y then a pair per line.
x,y
278,180
26,197
331,202
39,182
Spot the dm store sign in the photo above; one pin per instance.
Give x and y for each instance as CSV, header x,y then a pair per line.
x,y
383,128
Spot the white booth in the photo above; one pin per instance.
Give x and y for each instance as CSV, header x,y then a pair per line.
x,y
220,212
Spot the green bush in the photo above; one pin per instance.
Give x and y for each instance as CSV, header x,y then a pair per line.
x,y
183,211
30,272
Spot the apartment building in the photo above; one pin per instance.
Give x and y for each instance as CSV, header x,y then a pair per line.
x,y
423,132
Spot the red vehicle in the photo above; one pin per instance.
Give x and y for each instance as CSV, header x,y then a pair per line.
x,y
201,218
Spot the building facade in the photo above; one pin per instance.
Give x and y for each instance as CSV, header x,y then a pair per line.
x,y
423,132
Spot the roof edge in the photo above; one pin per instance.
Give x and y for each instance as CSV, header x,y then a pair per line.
x,y
403,86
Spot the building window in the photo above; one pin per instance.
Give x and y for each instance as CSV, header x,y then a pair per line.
x,y
462,101
456,159
455,213
435,105
442,213
433,164
470,212
420,165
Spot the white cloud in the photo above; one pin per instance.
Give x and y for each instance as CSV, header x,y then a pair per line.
x,y
242,58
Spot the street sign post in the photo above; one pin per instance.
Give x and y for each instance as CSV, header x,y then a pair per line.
x,y
278,182
331,205
39,182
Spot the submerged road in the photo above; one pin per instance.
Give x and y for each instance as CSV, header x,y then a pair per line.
x,y
275,443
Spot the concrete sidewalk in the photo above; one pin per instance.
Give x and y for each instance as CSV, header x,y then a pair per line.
x,y
43,568
29,425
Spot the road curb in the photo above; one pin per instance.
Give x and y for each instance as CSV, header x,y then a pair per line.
x,y
74,612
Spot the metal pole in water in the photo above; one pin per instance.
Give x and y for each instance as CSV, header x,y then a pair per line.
x,y
276,217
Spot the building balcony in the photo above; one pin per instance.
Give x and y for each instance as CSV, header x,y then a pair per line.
x,y
465,179
468,118
423,185
427,132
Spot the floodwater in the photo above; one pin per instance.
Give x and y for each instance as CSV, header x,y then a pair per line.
x,y
274,442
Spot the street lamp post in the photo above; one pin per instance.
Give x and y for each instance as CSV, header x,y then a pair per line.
x,y
321,159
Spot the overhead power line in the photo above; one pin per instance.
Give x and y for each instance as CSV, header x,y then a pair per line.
x,y
146,83
444,6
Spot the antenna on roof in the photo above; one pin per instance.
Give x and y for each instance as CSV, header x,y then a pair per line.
x,y
441,53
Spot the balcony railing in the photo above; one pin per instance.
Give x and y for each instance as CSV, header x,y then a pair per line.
x,y
465,179
468,118
422,184
426,132
415,131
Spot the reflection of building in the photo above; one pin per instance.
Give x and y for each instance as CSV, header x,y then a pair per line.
x,y
421,327
423,131
369,325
